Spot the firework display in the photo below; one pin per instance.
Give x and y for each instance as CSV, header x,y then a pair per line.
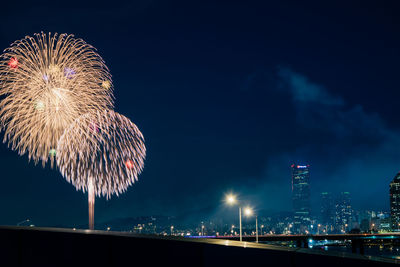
x,y
105,148
56,105
101,153
47,81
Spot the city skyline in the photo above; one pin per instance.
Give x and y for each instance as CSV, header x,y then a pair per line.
x,y
395,201
228,96
334,214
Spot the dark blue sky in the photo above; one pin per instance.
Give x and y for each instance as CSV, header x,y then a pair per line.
x,y
228,94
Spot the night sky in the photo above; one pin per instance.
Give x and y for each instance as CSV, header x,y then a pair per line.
x,y
228,95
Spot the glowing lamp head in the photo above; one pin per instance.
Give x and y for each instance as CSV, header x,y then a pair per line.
x,y
106,84
13,63
248,211
231,199
129,164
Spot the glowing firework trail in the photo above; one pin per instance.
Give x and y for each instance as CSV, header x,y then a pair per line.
x,y
47,82
102,153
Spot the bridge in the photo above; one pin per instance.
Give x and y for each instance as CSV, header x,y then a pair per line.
x,y
357,240
31,246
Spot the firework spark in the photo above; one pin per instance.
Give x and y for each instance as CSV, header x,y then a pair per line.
x,y
111,153
47,82
101,153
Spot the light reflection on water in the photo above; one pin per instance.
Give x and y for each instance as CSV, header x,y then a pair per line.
x,y
380,250
387,251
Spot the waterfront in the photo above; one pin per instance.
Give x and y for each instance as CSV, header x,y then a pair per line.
x,y
380,250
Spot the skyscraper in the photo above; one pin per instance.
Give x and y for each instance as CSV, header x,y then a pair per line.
x,y
343,218
301,197
327,210
395,202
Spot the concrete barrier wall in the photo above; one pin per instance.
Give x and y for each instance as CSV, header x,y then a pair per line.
x,y
21,246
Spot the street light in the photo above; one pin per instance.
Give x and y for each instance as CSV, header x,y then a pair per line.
x,y
232,200
249,212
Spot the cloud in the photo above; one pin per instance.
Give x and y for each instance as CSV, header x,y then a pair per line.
x,y
349,149
304,91
319,110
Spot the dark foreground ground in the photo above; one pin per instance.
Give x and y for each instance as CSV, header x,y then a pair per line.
x,y
26,246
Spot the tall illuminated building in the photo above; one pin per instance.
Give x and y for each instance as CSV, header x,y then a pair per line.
x,y
301,197
327,210
343,218
395,202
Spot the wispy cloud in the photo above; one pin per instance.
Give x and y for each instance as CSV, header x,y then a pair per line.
x,y
318,109
305,91
349,148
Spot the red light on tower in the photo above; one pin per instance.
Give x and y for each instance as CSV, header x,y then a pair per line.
x,y
13,63
129,164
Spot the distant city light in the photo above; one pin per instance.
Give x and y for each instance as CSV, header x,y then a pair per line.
x,y
199,236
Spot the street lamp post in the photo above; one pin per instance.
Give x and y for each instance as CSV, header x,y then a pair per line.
x,y
240,224
231,199
256,230
249,212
